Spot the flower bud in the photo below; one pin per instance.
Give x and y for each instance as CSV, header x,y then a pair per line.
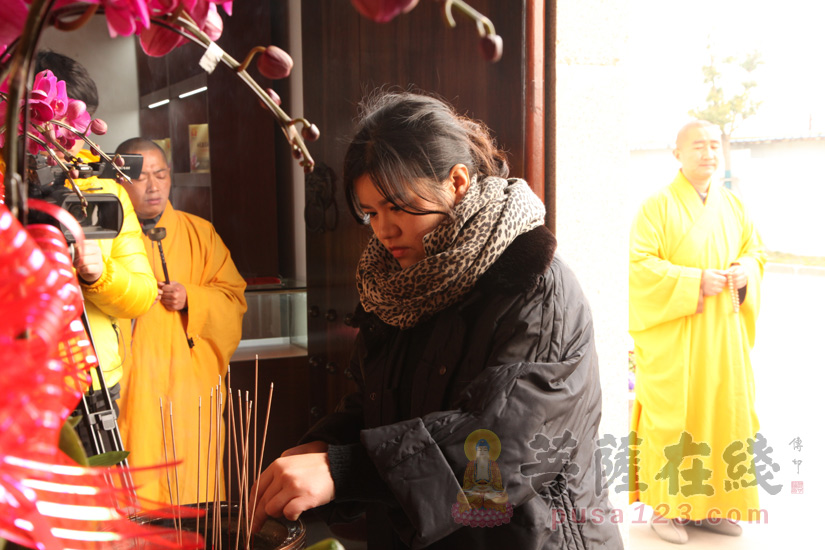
x,y
99,126
491,46
274,96
311,132
274,63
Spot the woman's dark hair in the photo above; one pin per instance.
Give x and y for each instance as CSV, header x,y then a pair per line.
x,y
408,143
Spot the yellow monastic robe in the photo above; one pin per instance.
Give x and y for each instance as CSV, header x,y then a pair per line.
x,y
162,364
694,373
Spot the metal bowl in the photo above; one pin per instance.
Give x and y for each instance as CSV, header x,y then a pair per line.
x,y
276,533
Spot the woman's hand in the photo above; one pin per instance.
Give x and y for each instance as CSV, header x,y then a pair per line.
x,y
296,482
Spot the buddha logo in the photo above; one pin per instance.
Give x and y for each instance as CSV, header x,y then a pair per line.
x,y
482,501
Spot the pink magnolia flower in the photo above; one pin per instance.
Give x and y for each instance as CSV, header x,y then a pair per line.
x,y
382,11
126,17
213,27
47,99
225,4
78,118
11,23
158,41
123,17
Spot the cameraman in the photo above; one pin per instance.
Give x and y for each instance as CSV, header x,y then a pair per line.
x,y
114,274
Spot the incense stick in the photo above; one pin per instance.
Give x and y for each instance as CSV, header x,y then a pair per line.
x,y
237,461
228,446
198,488
219,433
255,418
208,455
263,446
240,474
217,487
166,460
246,473
177,481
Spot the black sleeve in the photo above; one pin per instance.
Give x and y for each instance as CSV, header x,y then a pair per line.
x,y
355,475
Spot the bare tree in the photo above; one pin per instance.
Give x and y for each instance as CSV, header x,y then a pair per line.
x,y
723,109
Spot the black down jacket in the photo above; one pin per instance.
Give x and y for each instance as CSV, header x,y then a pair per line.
x,y
516,357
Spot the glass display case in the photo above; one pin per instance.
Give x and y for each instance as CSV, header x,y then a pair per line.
x,y
275,323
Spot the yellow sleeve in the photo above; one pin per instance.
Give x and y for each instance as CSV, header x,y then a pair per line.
x,y
216,306
752,257
659,291
127,287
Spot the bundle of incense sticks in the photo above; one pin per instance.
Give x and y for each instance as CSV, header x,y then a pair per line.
x,y
245,460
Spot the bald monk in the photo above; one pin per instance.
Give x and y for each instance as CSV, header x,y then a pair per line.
x,y
694,253
181,347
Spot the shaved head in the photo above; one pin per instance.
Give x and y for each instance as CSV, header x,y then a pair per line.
x,y
684,133
149,192
699,150
138,145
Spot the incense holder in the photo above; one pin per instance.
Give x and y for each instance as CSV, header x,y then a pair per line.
x,y
276,533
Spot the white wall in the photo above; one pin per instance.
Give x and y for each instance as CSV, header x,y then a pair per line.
x,y
112,64
593,206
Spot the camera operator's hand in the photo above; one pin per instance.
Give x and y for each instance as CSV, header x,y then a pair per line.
x,y
172,296
88,261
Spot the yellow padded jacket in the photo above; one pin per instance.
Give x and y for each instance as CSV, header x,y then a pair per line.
x,y
126,289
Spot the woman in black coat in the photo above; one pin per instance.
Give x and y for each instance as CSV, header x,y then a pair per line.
x,y
476,419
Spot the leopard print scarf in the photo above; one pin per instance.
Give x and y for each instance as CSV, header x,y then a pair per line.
x,y
490,216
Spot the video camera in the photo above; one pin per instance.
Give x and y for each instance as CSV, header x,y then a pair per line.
x,y
104,213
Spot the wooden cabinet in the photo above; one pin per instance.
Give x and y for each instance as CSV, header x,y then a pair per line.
x,y
343,57
240,193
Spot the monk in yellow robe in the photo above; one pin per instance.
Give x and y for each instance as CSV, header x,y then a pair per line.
x,y
696,262
181,347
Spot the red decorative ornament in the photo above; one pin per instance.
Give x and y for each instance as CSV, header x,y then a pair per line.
x,y
47,501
